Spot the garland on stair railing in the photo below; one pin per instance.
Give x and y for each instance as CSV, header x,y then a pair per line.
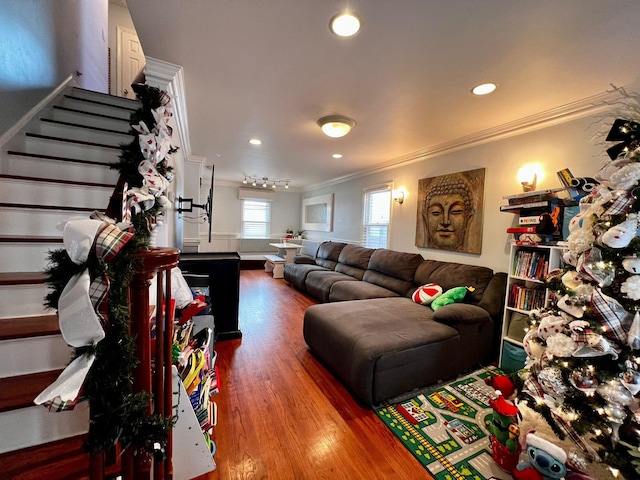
x,y
117,415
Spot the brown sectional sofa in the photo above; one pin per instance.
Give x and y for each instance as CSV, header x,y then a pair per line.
x,y
374,338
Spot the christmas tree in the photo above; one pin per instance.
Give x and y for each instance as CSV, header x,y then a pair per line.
x,y
583,367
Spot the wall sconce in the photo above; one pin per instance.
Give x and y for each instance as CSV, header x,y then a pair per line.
x,y
528,176
398,196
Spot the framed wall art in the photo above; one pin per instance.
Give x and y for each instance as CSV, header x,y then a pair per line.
x,y
450,209
317,213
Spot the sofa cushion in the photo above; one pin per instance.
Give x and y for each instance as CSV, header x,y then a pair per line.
x,y
353,261
461,313
393,270
328,254
319,283
296,274
449,275
358,291
304,259
381,347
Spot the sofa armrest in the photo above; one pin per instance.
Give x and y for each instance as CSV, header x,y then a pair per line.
x,y
461,313
304,259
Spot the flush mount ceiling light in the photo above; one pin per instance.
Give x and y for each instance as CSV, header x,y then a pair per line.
x,y
344,24
255,141
336,126
484,89
337,155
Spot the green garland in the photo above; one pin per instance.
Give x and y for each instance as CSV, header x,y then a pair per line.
x,y
117,415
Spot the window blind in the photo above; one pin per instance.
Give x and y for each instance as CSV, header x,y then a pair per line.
x,y
256,219
376,217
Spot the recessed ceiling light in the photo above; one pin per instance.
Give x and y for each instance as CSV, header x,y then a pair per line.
x,y
345,24
337,155
255,141
484,88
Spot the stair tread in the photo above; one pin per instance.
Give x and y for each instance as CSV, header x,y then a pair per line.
x,y
66,208
22,278
78,125
19,392
68,140
53,157
73,97
84,112
64,182
26,327
28,239
34,460
134,102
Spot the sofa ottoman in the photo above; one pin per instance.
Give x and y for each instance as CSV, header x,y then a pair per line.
x,y
382,347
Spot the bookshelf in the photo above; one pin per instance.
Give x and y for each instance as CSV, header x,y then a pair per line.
x,y
526,291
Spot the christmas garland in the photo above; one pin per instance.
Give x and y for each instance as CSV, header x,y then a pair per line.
x,y
117,415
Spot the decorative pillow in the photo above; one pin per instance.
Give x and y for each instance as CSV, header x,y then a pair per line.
x,y
453,295
426,294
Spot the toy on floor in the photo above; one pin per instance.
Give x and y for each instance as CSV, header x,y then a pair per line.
x,y
546,461
503,426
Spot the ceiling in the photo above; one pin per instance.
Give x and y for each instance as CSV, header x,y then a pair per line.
x,y
271,69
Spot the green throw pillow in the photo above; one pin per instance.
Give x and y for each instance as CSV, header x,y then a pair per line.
x,y
453,295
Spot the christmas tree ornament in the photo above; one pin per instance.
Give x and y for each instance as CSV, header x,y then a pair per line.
x,y
633,337
631,287
571,279
624,131
619,236
631,264
567,304
550,379
579,242
625,177
605,172
617,398
561,345
631,380
551,324
585,380
591,264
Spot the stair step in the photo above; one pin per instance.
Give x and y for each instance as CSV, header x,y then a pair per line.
x,y
25,164
57,182
22,278
48,207
82,133
19,392
62,459
93,106
42,156
69,140
28,239
127,103
17,257
74,115
42,145
15,221
27,327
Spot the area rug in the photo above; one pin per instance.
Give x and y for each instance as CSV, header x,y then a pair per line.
x,y
444,427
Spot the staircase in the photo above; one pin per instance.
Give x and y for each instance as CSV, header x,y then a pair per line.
x,y
55,168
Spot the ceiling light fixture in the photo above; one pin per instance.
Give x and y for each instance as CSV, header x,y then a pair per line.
x,y
344,24
255,141
265,182
337,155
484,88
336,126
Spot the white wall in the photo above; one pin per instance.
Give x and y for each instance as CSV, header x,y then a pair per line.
x,y
554,148
227,215
45,42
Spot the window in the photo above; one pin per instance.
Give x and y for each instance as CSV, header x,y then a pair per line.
x,y
377,213
256,218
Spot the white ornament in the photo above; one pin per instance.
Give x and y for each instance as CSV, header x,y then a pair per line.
x,y
633,338
631,264
571,279
560,345
631,287
619,236
566,305
626,177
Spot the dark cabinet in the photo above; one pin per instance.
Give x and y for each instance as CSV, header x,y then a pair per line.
x,y
223,270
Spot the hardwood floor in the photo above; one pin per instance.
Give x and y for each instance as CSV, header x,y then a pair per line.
x,y
281,414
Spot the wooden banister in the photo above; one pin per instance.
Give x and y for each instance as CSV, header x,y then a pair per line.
x,y
153,372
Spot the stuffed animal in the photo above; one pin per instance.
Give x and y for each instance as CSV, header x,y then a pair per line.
x,y
504,430
546,461
453,295
502,383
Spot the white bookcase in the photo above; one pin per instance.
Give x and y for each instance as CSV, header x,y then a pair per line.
x,y
526,291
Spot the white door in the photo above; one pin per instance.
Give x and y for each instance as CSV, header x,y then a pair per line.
x,y
130,60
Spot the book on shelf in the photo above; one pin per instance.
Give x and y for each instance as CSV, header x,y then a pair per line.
x,y
521,230
530,264
518,207
530,197
524,298
529,220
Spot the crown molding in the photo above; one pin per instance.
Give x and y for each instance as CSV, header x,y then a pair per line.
x,y
170,78
555,116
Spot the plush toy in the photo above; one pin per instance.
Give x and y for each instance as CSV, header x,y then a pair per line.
x,y
453,295
504,430
546,461
502,383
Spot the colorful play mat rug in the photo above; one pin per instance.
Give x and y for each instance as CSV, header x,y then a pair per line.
x,y
444,427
